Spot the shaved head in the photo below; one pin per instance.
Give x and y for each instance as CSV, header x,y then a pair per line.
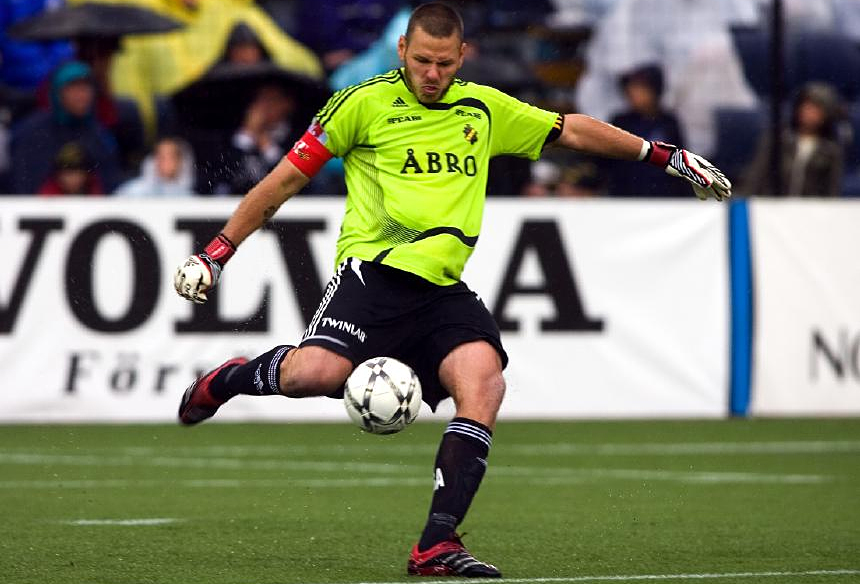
x,y
436,19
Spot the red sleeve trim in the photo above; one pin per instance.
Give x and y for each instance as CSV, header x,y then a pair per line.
x,y
659,154
309,155
220,249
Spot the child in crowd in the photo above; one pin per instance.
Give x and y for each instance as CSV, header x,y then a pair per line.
x,y
72,174
167,172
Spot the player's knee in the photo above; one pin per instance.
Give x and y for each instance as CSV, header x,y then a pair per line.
x,y
312,371
473,368
490,391
481,397
481,401
497,386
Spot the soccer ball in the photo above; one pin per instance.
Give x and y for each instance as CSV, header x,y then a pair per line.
x,y
382,395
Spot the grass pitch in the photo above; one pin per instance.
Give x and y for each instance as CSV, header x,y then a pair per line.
x,y
774,501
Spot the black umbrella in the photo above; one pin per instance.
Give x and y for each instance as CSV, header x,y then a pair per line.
x,y
92,19
219,98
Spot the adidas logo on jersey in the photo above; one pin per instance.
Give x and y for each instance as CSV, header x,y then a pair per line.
x,y
398,102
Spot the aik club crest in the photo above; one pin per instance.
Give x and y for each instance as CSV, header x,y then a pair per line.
x,y
470,133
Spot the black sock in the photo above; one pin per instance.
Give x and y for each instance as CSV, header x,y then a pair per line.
x,y
260,376
460,465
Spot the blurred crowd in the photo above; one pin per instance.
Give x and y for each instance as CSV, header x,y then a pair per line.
x,y
203,97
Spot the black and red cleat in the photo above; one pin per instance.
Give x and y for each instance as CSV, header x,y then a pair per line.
x,y
449,558
197,403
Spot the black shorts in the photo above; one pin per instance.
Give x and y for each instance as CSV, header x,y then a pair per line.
x,y
372,310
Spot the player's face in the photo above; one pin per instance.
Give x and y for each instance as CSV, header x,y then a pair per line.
x,y
430,63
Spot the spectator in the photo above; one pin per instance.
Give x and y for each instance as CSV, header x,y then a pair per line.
x,y
576,13
120,116
72,174
37,139
244,47
338,29
579,178
690,40
642,89
248,90
14,104
379,57
836,17
812,158
26,64
167,172
153,66
264,137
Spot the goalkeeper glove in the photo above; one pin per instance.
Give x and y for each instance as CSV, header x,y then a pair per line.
x,y
707,180
200,273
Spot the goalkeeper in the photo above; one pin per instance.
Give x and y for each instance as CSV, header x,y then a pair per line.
x,y
416,143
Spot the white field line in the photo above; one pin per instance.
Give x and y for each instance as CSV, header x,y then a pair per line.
x,y
540,474
552,449
124,522
218,483
555,449
704,448
640,577
536,477
694,476
206,463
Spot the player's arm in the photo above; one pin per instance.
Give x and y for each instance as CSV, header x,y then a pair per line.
x,y
586,134
200,272
263,200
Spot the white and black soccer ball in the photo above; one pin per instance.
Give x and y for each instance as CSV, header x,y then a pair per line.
x,y
382,395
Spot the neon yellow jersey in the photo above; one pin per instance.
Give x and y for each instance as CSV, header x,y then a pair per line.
x,y
416,174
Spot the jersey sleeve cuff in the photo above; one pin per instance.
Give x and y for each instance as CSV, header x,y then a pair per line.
x,y
555,131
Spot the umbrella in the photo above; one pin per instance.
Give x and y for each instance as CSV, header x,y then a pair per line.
x,y
219,98
92,19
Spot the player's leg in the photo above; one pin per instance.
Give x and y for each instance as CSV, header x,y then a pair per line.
x,y
284,370
311,371
319,366
472,375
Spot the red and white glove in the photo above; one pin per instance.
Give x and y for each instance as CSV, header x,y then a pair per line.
x,y
707,179
200,273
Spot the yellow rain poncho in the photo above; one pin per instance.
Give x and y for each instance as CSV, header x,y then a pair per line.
x,y
148,66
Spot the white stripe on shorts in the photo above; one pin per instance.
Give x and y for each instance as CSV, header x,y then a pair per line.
x,y
329,293
326,338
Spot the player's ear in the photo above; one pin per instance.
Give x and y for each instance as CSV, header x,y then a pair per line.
x,y
462,54
401,48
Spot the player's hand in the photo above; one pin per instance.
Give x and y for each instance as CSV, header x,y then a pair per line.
x,y
196,276
707,179
200,273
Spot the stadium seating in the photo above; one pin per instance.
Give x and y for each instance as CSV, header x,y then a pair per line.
x,y
738,132
825,57
753,46
808,57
